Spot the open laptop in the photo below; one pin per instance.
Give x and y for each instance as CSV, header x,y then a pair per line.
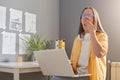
x,y
54,62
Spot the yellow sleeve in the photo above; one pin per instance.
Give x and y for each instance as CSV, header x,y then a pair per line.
x,y
72,57
103,39
75,54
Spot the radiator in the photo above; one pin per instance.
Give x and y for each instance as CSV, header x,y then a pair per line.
x,y
115,70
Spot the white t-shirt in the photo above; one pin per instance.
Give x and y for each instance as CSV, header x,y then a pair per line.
x,y
83,59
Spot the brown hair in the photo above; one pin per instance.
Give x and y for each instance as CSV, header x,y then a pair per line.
x,y
96,19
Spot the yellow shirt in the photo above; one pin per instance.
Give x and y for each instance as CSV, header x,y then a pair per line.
x,y
96,66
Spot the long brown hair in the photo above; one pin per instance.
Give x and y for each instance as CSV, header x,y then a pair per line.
x,y
96,19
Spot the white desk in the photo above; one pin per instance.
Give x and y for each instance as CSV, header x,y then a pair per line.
x,y
17,68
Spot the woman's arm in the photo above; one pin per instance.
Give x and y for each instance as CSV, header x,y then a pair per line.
x,y
100,46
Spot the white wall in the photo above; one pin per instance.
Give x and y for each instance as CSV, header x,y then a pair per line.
x,y
49,18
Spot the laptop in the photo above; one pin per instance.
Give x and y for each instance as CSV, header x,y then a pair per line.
x,y
54,62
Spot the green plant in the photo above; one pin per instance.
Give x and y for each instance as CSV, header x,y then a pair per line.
x,y
35,43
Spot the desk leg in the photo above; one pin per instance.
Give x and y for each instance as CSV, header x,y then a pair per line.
x,y
16,74
49,77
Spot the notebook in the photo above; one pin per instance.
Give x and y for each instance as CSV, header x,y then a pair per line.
x,y
54,62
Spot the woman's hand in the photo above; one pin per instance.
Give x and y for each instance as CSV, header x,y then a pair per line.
x,y
90,26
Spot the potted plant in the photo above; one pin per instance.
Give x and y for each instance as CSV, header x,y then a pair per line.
x,y
35,43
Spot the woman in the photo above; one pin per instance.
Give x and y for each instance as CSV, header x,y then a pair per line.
x,y
90,47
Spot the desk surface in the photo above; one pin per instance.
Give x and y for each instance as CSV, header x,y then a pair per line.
x,y
19,65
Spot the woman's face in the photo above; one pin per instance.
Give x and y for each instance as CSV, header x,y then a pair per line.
x,y
87,15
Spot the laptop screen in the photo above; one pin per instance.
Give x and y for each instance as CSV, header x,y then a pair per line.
x,y
54,62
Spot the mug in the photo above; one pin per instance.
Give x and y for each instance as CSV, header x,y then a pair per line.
x,y
60,44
